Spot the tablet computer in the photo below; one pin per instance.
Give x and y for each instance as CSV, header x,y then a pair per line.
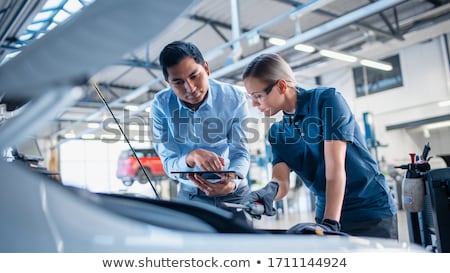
x,y
208,175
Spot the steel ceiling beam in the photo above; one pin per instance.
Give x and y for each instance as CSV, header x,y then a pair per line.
x,y
342,21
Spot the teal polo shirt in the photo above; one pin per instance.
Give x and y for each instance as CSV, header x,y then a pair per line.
x,y
298,140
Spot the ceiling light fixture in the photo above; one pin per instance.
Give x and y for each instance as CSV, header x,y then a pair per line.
x,y
131,107
93,125
376,65
69,135
345,57
338,56
113,126
304,48
88,136
253,39
444,103
277,41
437,125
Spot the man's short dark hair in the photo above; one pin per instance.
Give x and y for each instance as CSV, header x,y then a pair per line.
x,y
175,52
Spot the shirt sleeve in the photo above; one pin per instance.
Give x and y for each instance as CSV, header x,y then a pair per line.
x,y
338,120
239,154
165,145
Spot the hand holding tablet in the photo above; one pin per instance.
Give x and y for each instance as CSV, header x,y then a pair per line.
x,y
212,176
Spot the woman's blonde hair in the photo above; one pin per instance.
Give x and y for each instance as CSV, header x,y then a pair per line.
x,y
269,68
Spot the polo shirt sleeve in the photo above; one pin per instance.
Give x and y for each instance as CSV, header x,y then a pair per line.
x,y
338,120
273,137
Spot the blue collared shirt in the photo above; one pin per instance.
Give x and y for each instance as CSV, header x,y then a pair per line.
x,y
215,126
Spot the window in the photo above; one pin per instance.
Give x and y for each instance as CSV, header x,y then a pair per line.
x,y
369,80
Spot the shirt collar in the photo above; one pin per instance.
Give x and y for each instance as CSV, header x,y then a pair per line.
x,y
206,103
303,97
302,107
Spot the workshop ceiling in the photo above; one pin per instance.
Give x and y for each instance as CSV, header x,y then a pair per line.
x,y
230,33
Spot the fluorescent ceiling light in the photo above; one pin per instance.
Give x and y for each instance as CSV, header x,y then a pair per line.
x,y
304,48
444,103
277,41
437,125
376,65
9,56
338,56
25,37
131,107
43,15
113,126
61,16
73,6
253,39
35,26
69,135
52,26
93,125
88,136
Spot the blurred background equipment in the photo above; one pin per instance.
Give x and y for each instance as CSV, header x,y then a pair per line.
x,y
426,199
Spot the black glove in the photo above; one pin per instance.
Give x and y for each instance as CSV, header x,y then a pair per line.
x,y
327,226
331,224
265,195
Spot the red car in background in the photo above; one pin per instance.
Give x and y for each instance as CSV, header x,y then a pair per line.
x,y
129,170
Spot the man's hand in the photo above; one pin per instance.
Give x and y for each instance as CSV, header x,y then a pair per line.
x,y
223,187
205,160
265,196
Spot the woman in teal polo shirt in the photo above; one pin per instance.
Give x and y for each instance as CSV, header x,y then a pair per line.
x,y
319,139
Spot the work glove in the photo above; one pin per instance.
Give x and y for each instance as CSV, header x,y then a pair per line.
x,y
331,224
327,226
265,196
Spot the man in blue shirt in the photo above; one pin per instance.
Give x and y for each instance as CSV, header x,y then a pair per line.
x,y
319,139
196,126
